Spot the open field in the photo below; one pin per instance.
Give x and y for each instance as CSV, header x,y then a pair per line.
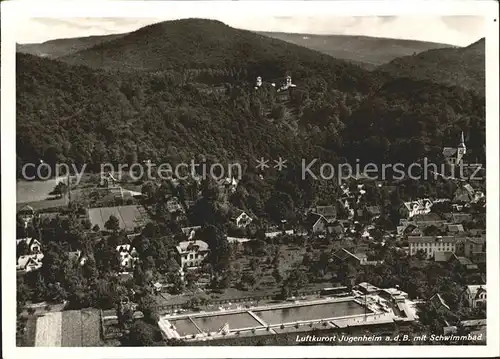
x,y
33,191
129,216
48,330
73,328
37,194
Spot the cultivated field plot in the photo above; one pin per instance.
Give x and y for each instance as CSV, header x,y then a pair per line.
x,y
33,191
48,330
72,328
129,216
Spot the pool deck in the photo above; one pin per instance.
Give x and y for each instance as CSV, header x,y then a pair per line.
x,y
373,315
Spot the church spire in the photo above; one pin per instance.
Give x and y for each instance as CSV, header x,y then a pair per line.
x,y
462,141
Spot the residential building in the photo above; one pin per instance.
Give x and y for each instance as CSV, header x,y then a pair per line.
x,y
372,212
329,212
412,208
438,302
466,263
241,219
33,246
174,206
108,180
29,262
471,246
432,244
128,256
190,232
455,228
229,183
277,233
192,253
466,193
343,256
443,256
77,257
475,295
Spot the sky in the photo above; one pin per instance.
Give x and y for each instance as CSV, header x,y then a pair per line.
x,y
454,30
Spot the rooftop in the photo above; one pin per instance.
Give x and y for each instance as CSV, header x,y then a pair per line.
x,y
187,246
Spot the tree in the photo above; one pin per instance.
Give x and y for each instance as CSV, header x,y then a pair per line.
x,y
112,224
141,334
218,245
148,190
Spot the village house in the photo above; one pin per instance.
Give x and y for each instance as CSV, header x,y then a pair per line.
x,y
108,180
28,263
77,257
467,194
191,253
329,212
372,212
455,228
174,206
343,256
443,256
30,255
190,232
229,183
273,234
432,244
32,245
466,263
458,218
437,301
241,219
471,246
412,208
475,295
128,256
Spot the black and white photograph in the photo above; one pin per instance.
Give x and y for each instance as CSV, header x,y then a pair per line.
x,y
201,176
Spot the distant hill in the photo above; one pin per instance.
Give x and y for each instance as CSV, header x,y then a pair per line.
x,y
464,66
199,43
61,47
366,51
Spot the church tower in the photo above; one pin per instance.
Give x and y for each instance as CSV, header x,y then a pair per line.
x,y
461,150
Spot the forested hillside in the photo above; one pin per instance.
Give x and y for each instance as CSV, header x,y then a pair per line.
x,y
339,110
61,47
198,43
464,67
368,52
